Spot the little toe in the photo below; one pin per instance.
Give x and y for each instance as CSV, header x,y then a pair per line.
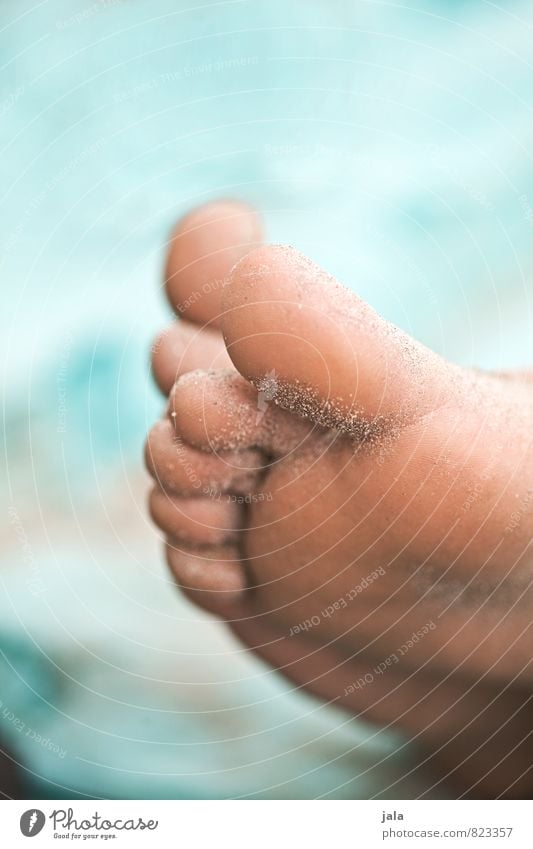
x,y
213,578
200,521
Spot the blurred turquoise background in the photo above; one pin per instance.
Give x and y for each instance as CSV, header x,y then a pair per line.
x,y
392,143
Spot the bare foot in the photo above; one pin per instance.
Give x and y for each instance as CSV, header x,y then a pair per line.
x,y
357,508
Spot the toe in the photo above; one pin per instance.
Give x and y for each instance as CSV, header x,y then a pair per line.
x,y
221,411
213,578
205,245
183,347
199,521
182,470
334,359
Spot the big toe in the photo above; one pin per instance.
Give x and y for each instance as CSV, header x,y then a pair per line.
x,y
321,351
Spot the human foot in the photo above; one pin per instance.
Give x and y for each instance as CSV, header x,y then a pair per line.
x,y
365,534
